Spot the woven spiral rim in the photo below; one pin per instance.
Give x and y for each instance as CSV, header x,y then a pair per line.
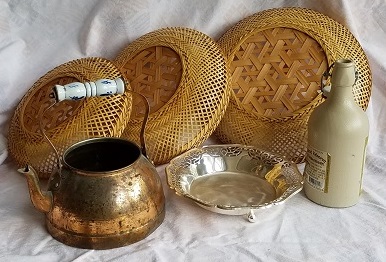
x,y
195,109
287,135
68,121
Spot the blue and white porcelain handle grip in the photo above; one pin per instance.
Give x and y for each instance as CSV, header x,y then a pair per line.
x,y
77,90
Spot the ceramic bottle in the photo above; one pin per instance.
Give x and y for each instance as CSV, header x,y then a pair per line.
x,y
337,138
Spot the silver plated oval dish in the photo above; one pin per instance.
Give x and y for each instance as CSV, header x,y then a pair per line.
x,y
233,179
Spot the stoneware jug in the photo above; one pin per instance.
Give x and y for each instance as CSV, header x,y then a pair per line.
x,y
338,132
105,194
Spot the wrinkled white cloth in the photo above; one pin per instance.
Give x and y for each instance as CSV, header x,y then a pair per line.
x,y
3,148
36,36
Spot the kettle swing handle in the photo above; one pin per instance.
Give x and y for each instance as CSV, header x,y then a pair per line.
x,y
43,201
102,87
144,122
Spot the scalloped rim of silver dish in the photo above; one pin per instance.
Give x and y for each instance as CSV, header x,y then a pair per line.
x,y
179,178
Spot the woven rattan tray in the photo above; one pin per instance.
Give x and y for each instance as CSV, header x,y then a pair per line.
x,y
183,75
66,122
276,59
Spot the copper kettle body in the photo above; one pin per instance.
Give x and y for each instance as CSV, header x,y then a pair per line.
x,y
105,194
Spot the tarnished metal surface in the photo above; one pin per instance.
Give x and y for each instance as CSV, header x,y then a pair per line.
x,y
233,179
107,195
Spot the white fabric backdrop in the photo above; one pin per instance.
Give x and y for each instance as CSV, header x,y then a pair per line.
x,y
36,36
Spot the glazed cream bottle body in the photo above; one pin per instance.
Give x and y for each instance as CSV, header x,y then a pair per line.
x,y
337,138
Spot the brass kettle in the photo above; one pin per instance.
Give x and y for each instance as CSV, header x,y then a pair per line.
x,y
105,193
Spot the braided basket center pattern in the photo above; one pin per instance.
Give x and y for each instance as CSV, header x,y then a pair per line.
x,y
155,73
277,71
56,115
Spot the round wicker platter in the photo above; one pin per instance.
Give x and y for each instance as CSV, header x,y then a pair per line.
x,y
183,74
276,60
66,122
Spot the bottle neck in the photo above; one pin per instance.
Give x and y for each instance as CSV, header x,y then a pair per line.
x,y
339,94
342,81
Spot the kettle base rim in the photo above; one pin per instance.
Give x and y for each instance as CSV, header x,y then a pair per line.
x,y
102,242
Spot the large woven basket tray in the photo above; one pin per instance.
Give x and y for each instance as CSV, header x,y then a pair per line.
x,y
66,122
276,59
183,74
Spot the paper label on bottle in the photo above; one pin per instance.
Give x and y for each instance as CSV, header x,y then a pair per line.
x,y
317,169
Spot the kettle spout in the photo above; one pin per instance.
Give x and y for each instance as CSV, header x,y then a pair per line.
x,y
41,200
